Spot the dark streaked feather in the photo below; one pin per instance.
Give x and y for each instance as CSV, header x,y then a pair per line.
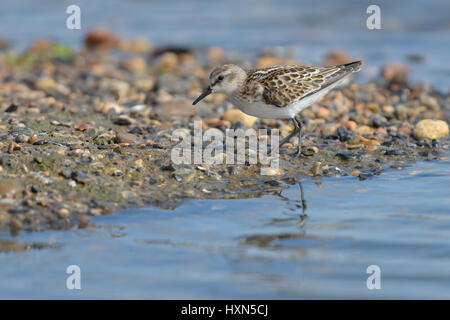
x,y
284,85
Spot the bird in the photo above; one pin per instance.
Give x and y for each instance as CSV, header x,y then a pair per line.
x,y
277,92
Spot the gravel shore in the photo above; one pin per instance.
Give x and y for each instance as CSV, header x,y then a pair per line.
x,y
85,133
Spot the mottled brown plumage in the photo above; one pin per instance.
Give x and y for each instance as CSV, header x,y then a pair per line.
x,y
281,86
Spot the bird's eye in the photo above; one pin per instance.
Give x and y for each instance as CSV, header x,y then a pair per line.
x,y
220,78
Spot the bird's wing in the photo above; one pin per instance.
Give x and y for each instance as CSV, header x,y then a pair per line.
x,y
284,85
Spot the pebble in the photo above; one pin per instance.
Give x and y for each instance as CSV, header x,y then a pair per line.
x,y
81,177
345,155
316,169
124,120
8,186
431,129
272,183
344,134
123,137
13,147
237,115
167,62
364,130
63,213
100,39
12,108
395,73
355,173
21,138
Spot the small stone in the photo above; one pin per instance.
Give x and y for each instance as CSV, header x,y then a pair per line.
x,y
323,112
9,186
21,138
395,73
80,153
82,127
431,129
344,134
238,125
167,61
177,177
402,112
272,183
355,173
167,167
124,120
377,122
63,213
136,130
364,130
350,125
80,177
154,122
114,172
110,107
95,211
366,142
12,108
136,64
233,115
13,147
32,139
271,171
373,107
316,169
287,145
66,173
128,194
123,137
345,155
35,189
139,163
100,39
394,152
235,170
430,102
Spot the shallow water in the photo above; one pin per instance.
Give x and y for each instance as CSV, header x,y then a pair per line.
x,y
263,247
309,29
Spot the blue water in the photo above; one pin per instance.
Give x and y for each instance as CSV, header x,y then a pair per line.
x,y
265,247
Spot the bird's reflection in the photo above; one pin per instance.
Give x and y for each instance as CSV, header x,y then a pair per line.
x,y
298,218
302,203
302,197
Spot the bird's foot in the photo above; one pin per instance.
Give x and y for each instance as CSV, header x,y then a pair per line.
x,y
301,152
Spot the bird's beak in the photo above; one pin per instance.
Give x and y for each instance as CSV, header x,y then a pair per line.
x,y
205,93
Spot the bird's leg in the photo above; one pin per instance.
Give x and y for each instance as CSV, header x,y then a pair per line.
x,y
300,129
290,135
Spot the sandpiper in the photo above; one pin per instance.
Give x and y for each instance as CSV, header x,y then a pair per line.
x,y
278,92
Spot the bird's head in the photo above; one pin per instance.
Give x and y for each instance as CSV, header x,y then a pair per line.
x,y
225,79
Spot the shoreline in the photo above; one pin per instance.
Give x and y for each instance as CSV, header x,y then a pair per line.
x,y
85,133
